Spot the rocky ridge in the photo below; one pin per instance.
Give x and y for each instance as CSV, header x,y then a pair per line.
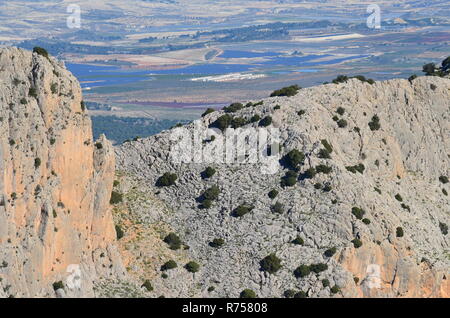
x,y
368,221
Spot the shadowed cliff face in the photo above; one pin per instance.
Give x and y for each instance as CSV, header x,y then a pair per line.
x,y
55,182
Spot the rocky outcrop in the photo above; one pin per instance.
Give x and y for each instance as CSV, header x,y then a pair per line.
x,y
55,185
388,167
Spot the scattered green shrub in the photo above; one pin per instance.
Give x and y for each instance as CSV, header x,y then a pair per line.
x,y
54,88
293,159
98,145
270,264
208,173
300,294
318,186
166,180
301,112
247,293
222,122
192,267
217,242
366,221
266,121
286,91
40,51
208,111
335,289
399,232
330,252
325,282
116,197
342,123
83,105
298,241
443,179
358,212
211,193
277,208
310,173
23,101
242,210
323,169
405,207
412,78
398,197
173,241
289,293
233,108
302,271
169,265
119,232
206,204
237,122
37,162
357,243
290,179
357,168
327,145
255,118
147,285
273,194
444,228
375,123
340,111
324,154
318,268
32,92
58,285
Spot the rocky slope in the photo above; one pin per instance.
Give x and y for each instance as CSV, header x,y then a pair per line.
x,y
55,185
389,167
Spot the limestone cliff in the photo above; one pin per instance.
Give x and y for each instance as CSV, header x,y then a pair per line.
x,y
55,183
364,214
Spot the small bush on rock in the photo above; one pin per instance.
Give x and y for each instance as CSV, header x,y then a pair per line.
x,y
242,210
286,91
302,271
173,241
166,180
208,173
247,293
270,264
330,252
277,208
192,267
216,243
358,212
273,194
357,243
169,265
298,241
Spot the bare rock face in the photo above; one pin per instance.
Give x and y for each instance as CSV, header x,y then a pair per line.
x,y
389,147
55,185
